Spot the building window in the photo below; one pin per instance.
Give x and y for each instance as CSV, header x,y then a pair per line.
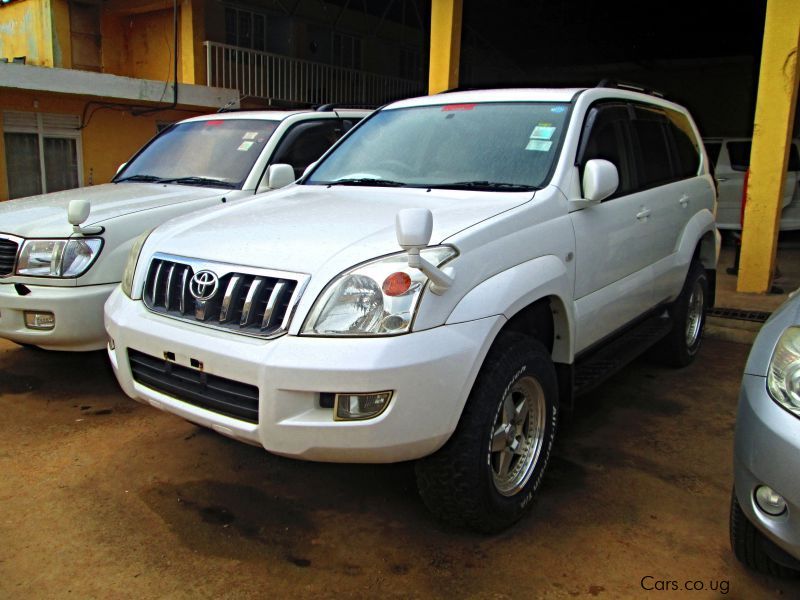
x,y
245,29
43,153
346,51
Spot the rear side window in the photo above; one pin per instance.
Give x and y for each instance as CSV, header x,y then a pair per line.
x,y
606,136
654,163
687,148
713,149
739,155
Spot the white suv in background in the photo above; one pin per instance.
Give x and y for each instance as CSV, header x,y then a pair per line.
x,y
438,287
61,254
731,159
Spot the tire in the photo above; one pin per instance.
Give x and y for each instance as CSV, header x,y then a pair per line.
x,y
688,314
748,543
478,480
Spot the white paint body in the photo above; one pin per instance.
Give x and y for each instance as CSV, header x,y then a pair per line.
x,y
601,267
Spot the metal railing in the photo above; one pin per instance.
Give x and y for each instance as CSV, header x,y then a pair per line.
x,y
279,78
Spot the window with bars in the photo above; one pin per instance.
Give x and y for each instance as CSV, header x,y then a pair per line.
x,y
43,153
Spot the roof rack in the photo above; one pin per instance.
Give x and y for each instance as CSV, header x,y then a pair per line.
x,y
333,106
627,85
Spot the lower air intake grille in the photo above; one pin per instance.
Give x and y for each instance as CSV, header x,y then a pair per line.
x,y
8,256
223,396
219,296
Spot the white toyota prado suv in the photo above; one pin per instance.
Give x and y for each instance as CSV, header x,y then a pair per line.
x,y
61,254
438,287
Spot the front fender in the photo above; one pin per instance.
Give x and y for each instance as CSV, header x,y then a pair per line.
x,y
512,290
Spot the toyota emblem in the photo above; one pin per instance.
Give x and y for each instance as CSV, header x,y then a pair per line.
x,y
203,285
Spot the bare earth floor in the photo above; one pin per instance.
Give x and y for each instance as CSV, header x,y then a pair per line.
x,y
101,497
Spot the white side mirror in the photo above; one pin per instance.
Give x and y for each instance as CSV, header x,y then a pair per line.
x,y
414,227
78,211
600,180
278,175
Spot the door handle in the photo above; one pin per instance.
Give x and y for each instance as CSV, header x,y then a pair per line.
x,y
643,214
684,200
722,179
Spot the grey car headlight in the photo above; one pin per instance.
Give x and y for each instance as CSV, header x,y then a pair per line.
x,y
130,266
58,258
783,376
379,297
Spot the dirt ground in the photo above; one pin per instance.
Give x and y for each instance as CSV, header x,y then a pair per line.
x,y
102,497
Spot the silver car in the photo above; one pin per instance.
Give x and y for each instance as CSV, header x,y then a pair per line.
x,y
765,508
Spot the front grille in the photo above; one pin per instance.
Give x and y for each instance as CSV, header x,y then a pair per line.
x,y
252,303
223,396
8,256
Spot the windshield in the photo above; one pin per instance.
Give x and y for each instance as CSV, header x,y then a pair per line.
x,y
217,153
506,146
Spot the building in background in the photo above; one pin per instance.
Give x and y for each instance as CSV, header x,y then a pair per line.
x,y
85,83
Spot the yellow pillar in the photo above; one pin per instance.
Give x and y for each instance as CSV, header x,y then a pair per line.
x,y
445,45
191,33
772,133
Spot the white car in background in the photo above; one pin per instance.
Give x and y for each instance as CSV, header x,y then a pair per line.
x,y
731,159
62,254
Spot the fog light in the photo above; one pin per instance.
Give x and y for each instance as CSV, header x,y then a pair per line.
x,y
361,406
770,501
39,320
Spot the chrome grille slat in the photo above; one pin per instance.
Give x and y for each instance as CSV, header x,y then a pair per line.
x,y
248,301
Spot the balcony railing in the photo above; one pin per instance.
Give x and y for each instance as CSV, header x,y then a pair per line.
x,y
283,79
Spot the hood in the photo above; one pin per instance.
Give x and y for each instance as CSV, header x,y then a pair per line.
x,y
46,215
303,227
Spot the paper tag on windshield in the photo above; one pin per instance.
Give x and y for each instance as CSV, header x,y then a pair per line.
x,y
245,146
250,135
539,145
543,131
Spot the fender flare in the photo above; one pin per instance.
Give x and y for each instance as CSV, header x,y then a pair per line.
x,y
698,226
512,290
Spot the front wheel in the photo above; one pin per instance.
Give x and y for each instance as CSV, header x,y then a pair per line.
x,y
486,475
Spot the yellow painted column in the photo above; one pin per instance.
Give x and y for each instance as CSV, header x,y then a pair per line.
x,y
445,45
191,33
772,133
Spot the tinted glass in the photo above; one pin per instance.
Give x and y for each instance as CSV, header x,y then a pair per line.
x,y
487,146
687,147
217,149
739,155
794,158
653,164
712,149
609,139
306,142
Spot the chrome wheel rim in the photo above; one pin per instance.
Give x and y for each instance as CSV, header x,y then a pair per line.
x,y
694,315
517,436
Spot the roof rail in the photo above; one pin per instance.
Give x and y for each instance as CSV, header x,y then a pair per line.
x,y
334,105
627,85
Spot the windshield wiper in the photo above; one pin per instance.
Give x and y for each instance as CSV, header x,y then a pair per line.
x,y
486,185
198,181
366,181
148,178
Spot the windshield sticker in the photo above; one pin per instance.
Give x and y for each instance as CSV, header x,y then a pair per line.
x,y
558,109
250,135
447,107
539,145
245,146
543,131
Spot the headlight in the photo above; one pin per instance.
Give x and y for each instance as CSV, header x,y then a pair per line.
x,y
130,266
376,298
58,258
783,377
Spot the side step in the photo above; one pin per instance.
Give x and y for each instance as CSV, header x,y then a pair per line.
x,y
601,364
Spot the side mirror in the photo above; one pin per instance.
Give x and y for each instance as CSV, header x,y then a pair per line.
x,y
414,227
600,180
78,211
278,175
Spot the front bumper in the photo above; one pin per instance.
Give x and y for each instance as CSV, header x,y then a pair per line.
x,y
767,452
430,372
78,314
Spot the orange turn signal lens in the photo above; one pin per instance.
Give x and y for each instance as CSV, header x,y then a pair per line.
x,y
396,284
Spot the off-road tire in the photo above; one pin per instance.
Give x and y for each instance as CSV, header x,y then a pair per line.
x,y
675,349
461,482
748,542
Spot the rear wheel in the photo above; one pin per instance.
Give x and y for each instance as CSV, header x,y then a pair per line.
x,y
486,475
688,314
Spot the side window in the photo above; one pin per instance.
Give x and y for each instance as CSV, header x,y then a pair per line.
x,y
713,149
687,148
739,153
654,163
607,137
306,142
794,158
